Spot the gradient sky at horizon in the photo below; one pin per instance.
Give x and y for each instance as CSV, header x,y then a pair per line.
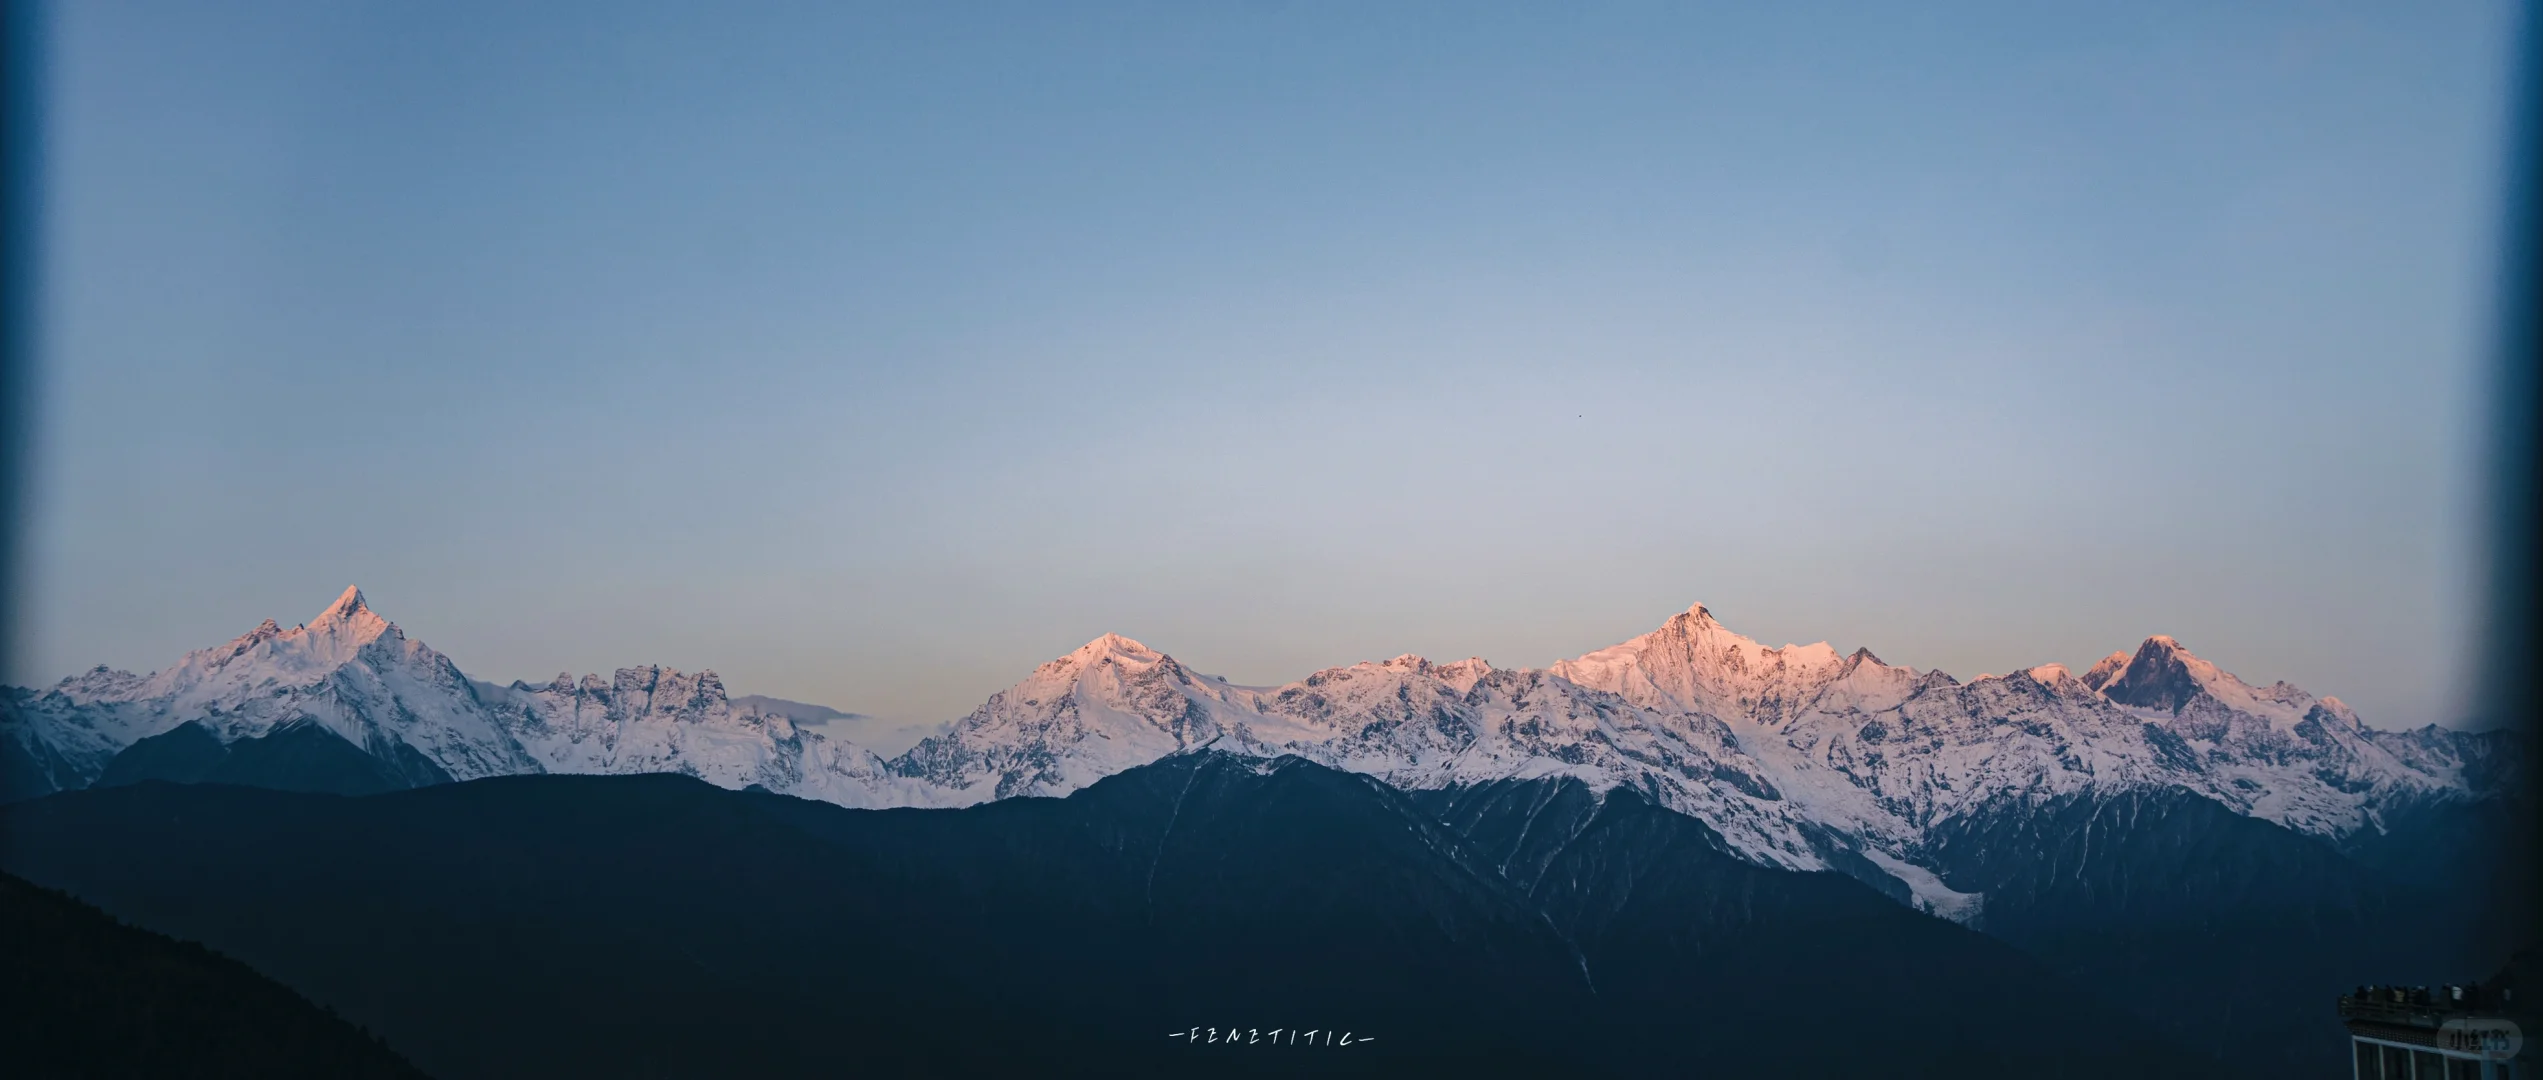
x,y
873,355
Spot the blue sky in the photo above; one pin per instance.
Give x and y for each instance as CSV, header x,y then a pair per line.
x,y
872,355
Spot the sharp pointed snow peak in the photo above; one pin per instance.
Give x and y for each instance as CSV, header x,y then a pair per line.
x,y
2166,650
2162,674
348,604
2159,650
1698,620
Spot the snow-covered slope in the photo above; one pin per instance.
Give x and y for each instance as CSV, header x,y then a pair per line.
x,y
1798,756
1112,704
1693,664
347,669
362,678
1116,703
1911,750
655,719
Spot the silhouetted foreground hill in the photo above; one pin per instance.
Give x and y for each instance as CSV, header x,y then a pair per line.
x,y
82,995
659,926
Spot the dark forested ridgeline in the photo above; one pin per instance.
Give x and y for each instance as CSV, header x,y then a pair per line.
x,y
658,925
83,995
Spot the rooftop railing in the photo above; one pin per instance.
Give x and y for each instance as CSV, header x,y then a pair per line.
x,y
2421,1006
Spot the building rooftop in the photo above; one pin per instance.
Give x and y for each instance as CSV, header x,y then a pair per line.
x,y
2424,1007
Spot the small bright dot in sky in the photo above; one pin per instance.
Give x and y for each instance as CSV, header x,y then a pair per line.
x,y
871,355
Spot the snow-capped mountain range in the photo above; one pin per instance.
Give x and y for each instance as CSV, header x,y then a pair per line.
x,y
1798,756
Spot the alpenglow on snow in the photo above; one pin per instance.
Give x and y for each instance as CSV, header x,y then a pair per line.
x,y
1797,756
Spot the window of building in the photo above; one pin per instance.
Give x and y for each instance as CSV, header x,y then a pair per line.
x,y
2397,1063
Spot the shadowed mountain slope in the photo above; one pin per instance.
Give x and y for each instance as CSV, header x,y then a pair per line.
x,y
84,995
656,925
